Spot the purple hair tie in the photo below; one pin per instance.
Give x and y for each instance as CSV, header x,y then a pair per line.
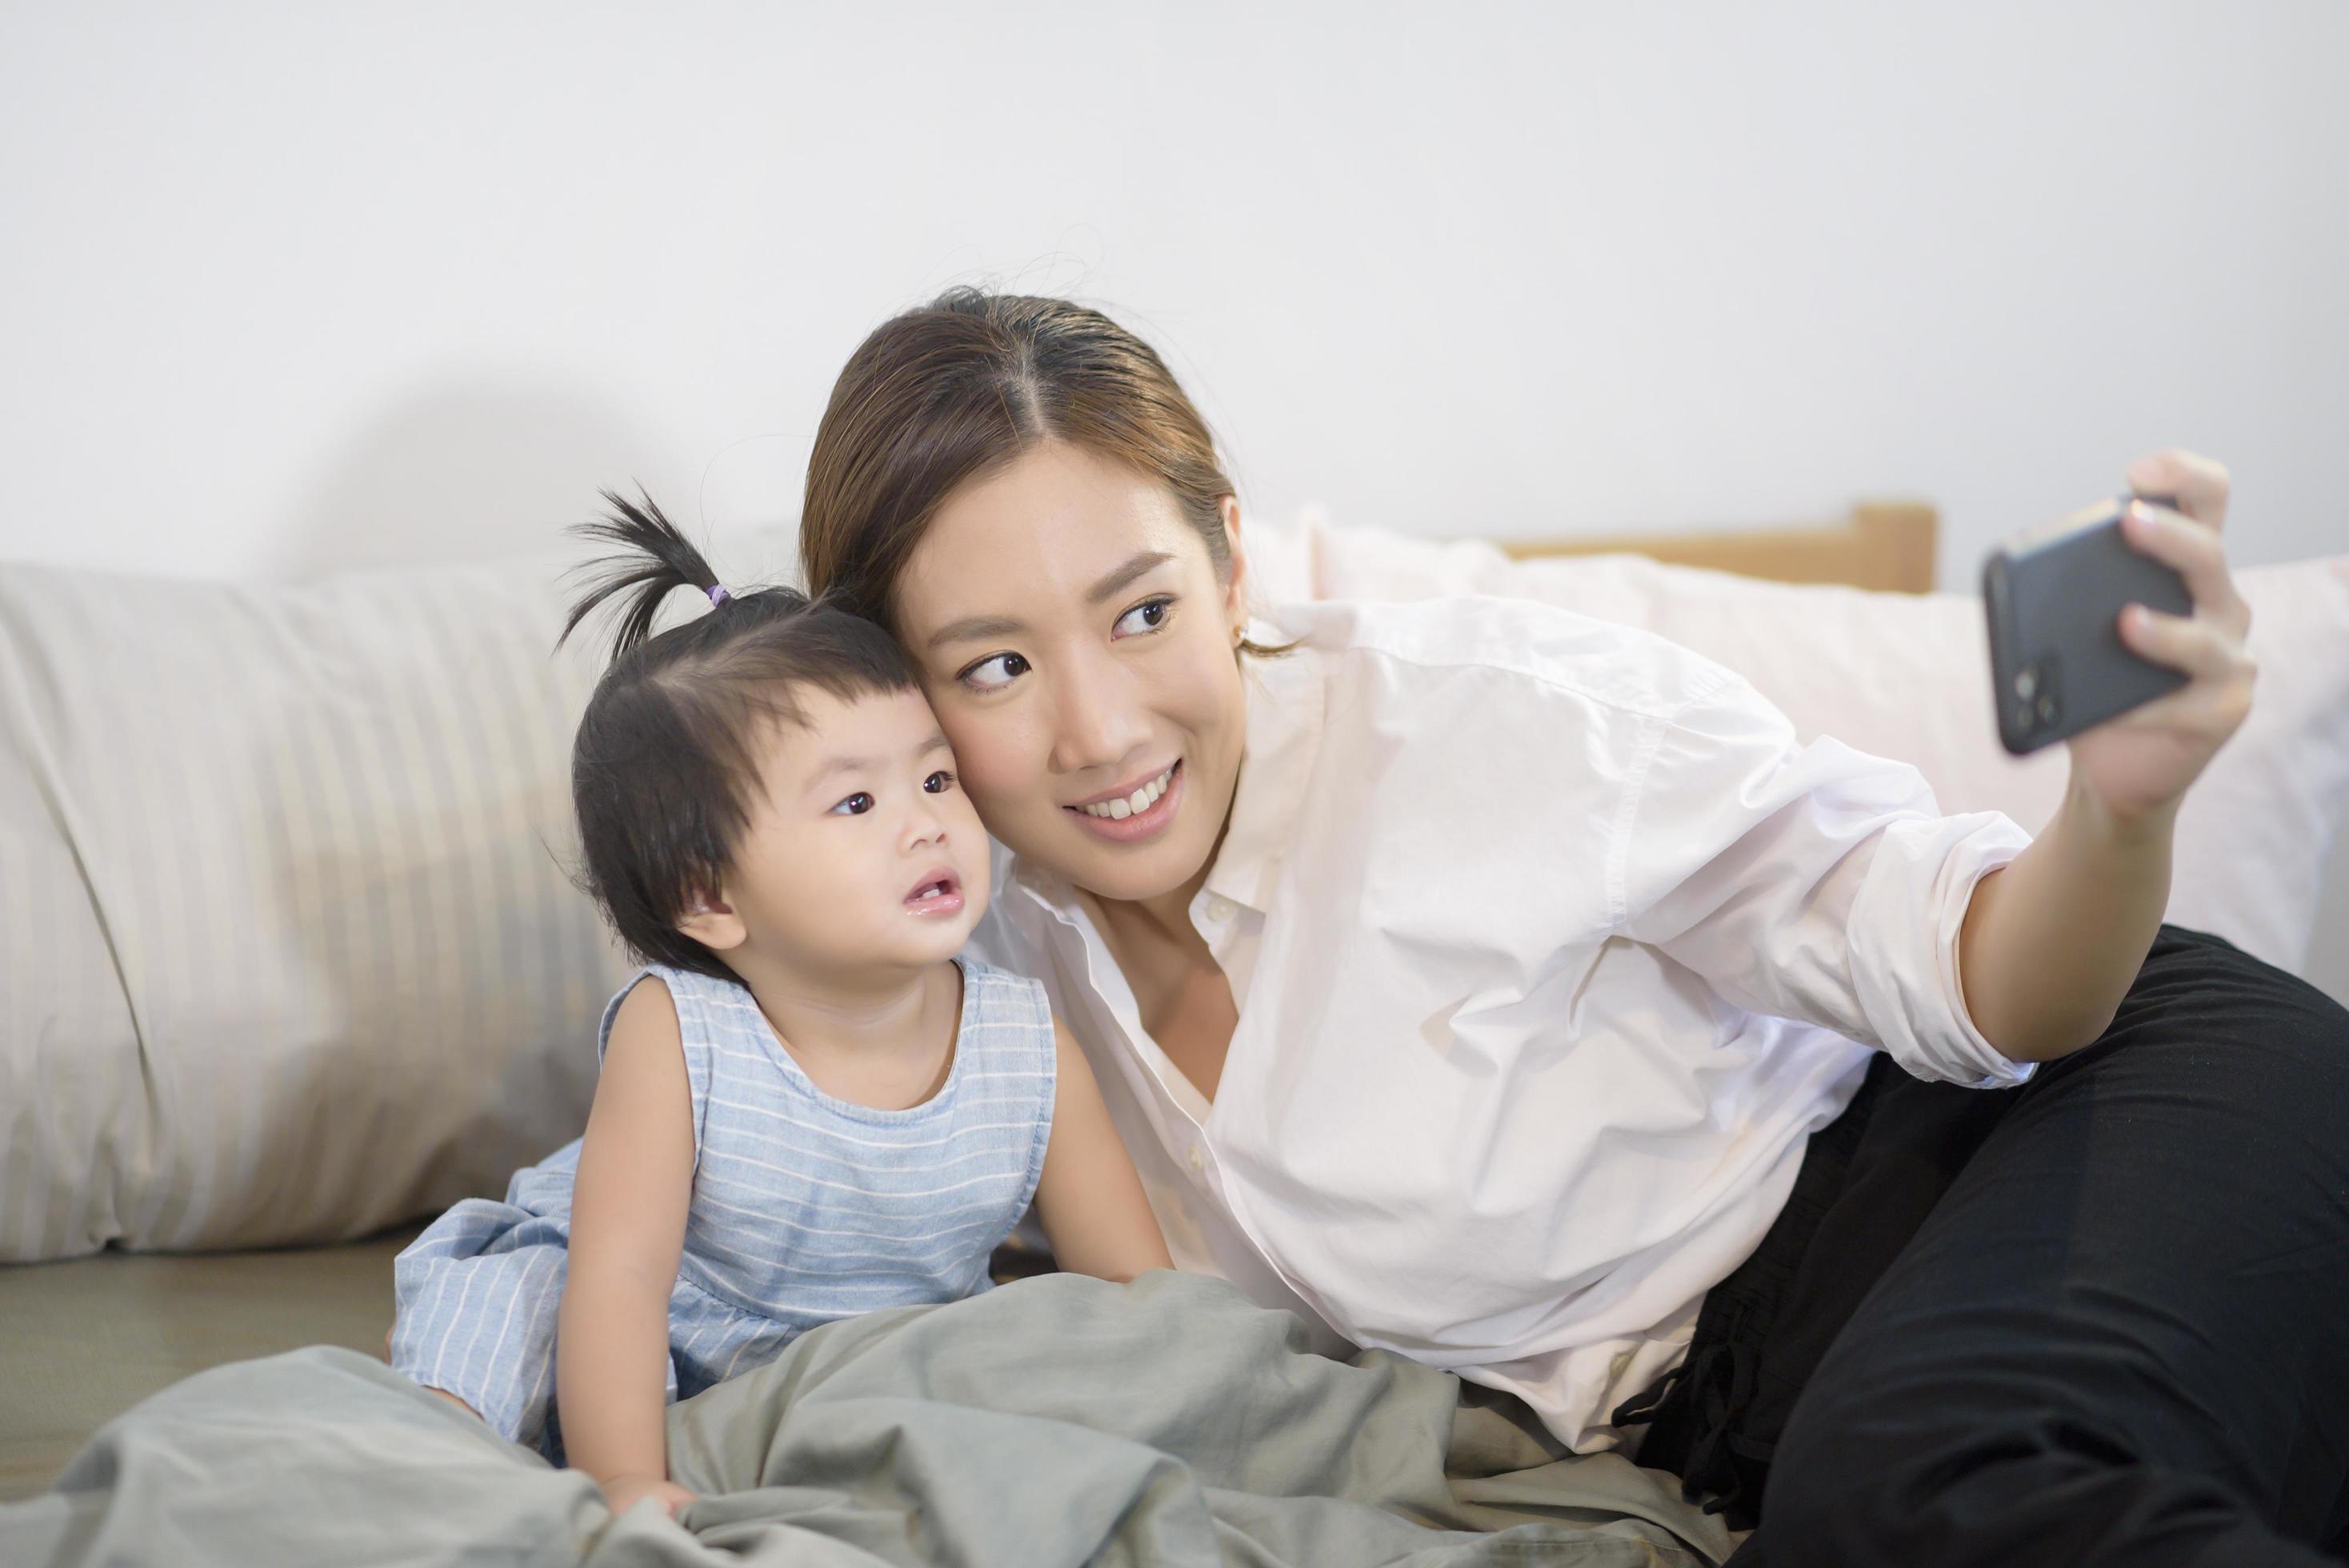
x,y
717,594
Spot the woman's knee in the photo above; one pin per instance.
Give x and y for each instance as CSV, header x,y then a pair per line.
x,y
2210,1029
2196,985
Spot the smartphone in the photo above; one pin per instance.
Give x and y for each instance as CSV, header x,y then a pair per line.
x,y
2053,597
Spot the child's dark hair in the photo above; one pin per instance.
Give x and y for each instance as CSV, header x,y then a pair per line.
x,y
664,766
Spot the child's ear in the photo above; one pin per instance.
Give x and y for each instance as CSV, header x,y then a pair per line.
x,y
711,921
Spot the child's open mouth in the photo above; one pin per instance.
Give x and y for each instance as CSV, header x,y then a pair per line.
x,y
939,892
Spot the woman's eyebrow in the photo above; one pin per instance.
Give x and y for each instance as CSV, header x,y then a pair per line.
x,y
1117,582
972,628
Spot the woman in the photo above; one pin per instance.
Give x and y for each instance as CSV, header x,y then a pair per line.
x,y
1471,978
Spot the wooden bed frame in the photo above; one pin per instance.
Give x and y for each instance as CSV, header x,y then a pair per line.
x,y
1883,544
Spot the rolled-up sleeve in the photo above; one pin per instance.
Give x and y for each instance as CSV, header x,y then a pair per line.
x,y
1814,882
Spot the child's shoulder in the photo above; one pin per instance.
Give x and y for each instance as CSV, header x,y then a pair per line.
x,y
991,994
695,1005
1006,1021
689,982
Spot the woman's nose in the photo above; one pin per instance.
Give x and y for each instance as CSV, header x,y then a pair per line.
x,y
1098,722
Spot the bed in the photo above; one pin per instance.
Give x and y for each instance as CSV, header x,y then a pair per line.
x,y
169,1288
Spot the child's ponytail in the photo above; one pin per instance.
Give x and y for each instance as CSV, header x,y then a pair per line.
x,y
659,559
666,768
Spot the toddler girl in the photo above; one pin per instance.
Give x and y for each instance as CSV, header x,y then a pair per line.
x,y
808,1108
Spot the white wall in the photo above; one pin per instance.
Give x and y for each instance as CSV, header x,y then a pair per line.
x,y
286,286
289,286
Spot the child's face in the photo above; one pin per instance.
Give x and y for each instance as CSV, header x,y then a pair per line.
x,y
863,853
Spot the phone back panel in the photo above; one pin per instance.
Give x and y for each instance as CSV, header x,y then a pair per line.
x,y
2056,650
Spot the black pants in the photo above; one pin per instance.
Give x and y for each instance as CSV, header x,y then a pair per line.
x,y
2101,1319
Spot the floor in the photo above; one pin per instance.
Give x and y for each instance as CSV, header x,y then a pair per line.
x,y
83,1340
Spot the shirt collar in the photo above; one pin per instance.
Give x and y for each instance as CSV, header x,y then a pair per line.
x,y
1284,735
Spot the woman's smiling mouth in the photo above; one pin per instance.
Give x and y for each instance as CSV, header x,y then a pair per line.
x,y
1137,813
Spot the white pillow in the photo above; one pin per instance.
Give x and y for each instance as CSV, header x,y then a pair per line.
x,y
287,948
288,952
1907,677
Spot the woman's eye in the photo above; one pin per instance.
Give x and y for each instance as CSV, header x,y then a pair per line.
x,y
995,672
857,805
938,783
1145,617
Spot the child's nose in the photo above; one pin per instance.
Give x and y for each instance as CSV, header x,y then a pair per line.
x,y
925,823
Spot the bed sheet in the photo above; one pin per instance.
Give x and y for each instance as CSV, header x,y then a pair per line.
x,y
1061,1419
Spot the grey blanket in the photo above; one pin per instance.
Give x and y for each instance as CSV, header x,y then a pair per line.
x,y
1058,1420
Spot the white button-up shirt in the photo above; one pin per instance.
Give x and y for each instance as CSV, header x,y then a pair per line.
x,y
1550,946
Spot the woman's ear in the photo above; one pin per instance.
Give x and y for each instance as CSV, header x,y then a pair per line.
x,y
1235,611
711,921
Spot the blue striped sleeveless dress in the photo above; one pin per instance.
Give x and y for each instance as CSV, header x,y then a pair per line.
x,y
806,1208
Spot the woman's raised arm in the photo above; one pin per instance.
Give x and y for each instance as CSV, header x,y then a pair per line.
x,y
2051,943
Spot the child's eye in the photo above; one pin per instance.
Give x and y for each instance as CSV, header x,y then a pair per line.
x,y
978,676
938,783
1148,616
857,805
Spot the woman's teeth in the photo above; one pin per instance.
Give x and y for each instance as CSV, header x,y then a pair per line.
x,y
1141,800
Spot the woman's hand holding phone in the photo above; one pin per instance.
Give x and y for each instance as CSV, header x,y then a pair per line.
x,y
2138,765
2051,942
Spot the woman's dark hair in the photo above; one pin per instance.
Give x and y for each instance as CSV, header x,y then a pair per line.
x,y
959,387
665,763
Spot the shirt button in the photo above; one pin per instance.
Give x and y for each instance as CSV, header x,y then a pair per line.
x,y
1198,1161
1221,908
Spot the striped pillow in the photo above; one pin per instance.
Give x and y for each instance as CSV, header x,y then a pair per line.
x,y
288,950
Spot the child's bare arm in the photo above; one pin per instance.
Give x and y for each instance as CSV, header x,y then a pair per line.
x,y
627,1233
1089,1198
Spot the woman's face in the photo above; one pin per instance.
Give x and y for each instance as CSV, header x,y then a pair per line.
x,y
1078,650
